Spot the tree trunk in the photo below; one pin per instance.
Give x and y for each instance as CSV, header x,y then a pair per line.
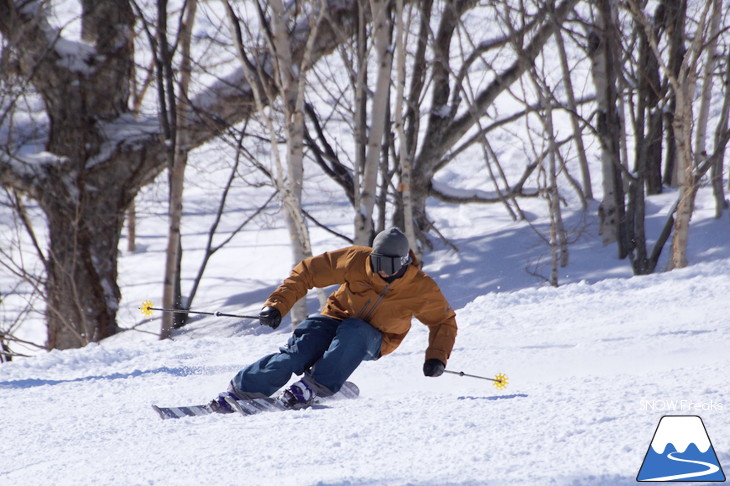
x,y
716,173
381,98
707,83
82,291
444,130
649,125
132,228
90,175
404,155
178,113
676,14
648,133
558,237
682,128
686,180
653,157
285,81
611,211
84,224
574,120
706,99
301,246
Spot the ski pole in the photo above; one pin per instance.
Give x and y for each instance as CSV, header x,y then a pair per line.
x,y
500,380
147,309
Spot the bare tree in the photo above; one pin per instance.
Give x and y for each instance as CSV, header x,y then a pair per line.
x,y
402,19
365,197
655,71
436,116
603,52
445,126
175,115
717,169
83,174
683,77
572,105
284,79
84,87
558,240
708,78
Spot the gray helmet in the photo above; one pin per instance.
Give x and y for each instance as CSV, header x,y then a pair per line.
x,y
390,251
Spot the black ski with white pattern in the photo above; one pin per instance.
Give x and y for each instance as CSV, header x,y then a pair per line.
x,y
253,406
179,412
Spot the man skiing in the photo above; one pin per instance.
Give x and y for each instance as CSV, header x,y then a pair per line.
x,y
381,290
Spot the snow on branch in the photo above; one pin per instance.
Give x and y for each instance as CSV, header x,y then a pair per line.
x,y
24,171
40,39
75,56
128,132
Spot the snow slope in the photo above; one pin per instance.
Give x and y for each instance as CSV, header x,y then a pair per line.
x,y
593,364
592,369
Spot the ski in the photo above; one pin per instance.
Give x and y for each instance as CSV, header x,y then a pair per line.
x,y
179,412
257,405
253,406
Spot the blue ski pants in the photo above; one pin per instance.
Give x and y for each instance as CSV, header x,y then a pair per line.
x,y
333,349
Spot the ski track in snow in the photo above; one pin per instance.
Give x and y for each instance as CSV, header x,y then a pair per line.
x,y
581,361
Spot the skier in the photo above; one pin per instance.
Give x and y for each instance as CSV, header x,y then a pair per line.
x,y
381,290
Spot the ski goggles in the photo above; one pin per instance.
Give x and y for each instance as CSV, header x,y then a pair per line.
x,y
388,264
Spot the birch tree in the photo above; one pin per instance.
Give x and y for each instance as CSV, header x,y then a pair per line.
x,y
403,19
572,105
604,56
690,165
446,126
285,81
439,121
176,116
365,198
666,74
703,117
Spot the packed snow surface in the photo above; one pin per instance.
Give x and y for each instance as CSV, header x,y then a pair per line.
x,y
592,369
593,364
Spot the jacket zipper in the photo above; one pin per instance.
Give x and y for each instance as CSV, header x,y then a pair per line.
x,y
375,305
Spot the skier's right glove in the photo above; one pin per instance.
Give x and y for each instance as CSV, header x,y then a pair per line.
x,y
270,316
433,367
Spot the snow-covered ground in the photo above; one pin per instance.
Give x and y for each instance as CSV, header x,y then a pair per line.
x,y
593,366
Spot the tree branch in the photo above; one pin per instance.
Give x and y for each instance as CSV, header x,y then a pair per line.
x,y
461,125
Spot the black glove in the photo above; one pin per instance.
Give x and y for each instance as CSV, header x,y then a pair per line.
x,y
270,316
433,367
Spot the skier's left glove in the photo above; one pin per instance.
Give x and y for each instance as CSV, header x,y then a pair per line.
x,y
270,316
433,367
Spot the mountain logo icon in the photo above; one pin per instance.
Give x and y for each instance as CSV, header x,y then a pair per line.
x,y
681,451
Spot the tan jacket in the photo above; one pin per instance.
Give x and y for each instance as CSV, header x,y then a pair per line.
x,y
365,295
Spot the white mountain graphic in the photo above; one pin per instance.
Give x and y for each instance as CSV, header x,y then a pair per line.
x,y
681,430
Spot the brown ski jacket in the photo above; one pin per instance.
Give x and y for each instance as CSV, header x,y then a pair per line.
x,y
363,294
